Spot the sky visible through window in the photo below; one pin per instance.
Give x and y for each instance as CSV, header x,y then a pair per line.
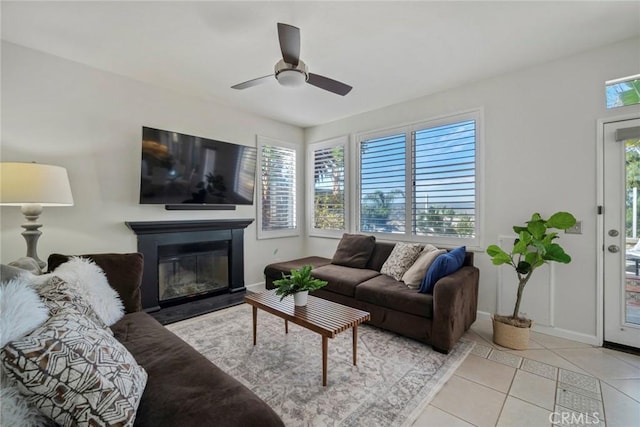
x,y
623,93
442,176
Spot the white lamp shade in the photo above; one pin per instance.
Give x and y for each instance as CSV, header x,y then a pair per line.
x,y
33,183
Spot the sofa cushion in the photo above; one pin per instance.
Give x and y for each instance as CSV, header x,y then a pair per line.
x,y
385,291
184,388
75,372
380,253
444,265
123,271
275,270
415,274
401,258
342,280
354,250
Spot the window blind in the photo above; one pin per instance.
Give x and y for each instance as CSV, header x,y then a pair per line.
x,y
444,180
278,176
382,183
328,188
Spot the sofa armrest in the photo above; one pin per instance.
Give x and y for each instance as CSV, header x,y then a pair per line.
x,y
455,303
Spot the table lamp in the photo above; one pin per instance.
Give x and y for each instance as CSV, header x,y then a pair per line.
x,y
32,186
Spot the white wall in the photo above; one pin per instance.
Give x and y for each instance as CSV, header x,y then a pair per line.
x,y
539,155
63,113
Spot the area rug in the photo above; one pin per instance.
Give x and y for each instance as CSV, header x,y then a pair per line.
x,y
394,381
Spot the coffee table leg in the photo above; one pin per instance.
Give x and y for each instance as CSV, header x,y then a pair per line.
x,y
355,344
255,323
286,326
325,341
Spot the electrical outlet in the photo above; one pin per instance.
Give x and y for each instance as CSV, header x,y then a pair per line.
x,y
576,229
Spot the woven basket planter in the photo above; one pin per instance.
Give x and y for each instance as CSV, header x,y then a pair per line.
x,y
510,336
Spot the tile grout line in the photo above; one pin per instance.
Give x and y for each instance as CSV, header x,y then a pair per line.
x,y
557,379
453,415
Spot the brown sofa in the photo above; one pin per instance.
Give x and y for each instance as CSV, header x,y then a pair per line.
x,y
183,387
439,319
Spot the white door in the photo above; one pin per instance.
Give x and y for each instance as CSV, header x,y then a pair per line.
x,y
621,232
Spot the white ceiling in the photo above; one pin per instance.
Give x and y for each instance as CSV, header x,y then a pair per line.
x,y
388,51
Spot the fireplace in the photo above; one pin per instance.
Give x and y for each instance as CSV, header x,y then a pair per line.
x,y
192,270
190,267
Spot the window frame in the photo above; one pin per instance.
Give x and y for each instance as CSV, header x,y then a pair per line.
x,y
475,242
310,180
263,141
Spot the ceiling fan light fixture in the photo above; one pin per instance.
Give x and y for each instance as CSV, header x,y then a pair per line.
x,y
291,78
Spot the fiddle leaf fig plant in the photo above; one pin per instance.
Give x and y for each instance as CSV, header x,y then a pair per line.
x,y
533,247
299,280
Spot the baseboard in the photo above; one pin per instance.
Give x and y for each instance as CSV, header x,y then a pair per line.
x,y
556,332
256,287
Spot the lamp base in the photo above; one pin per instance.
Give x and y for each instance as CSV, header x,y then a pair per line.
x,y
31,233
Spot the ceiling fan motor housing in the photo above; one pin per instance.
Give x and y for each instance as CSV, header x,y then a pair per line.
x,y
289,75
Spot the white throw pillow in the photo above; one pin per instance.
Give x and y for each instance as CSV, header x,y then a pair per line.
x,y
21,310
415,274
15,409
86,278
401,258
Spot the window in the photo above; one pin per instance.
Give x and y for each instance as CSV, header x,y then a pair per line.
x,y
421,180
277,213
623,92
382,184
326,182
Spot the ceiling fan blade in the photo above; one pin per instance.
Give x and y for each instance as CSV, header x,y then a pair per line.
x,y
289,37
329,84
253,82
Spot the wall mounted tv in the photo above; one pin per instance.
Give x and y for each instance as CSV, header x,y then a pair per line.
x,y
190,172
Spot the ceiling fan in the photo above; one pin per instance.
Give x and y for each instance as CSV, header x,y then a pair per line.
x,y
290,71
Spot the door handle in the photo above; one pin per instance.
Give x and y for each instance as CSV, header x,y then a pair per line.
x,y
613,249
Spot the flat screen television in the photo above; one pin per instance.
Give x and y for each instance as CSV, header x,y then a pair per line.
x,y
185,171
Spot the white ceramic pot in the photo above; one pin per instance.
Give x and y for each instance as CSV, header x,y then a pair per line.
x,y
300,298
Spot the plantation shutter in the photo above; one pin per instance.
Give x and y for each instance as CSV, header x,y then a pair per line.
x,y
382,183
329,188
444,180
278,198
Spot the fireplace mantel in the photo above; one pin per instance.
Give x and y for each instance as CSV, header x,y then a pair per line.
x,y
155,234
156,227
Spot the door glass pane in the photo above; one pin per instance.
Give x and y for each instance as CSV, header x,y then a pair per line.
x,y
632,255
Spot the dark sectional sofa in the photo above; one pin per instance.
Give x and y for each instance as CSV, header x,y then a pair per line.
x,y
184,389
439,319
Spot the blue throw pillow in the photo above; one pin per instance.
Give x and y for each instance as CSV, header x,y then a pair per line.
x,y
444,265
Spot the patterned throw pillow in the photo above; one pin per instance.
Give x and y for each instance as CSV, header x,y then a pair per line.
x,y
401,258
75,372
56,295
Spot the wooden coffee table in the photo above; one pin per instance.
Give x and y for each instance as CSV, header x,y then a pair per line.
x,y
319,315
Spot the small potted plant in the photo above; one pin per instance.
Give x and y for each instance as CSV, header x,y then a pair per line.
x,y
533,247
298,284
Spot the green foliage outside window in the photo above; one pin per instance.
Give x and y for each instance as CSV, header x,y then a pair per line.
x,y
443,221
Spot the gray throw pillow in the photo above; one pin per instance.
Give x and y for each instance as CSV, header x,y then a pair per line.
x,y
354,250
27,263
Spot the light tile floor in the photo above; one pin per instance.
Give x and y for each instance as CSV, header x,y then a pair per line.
x,y
556,382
